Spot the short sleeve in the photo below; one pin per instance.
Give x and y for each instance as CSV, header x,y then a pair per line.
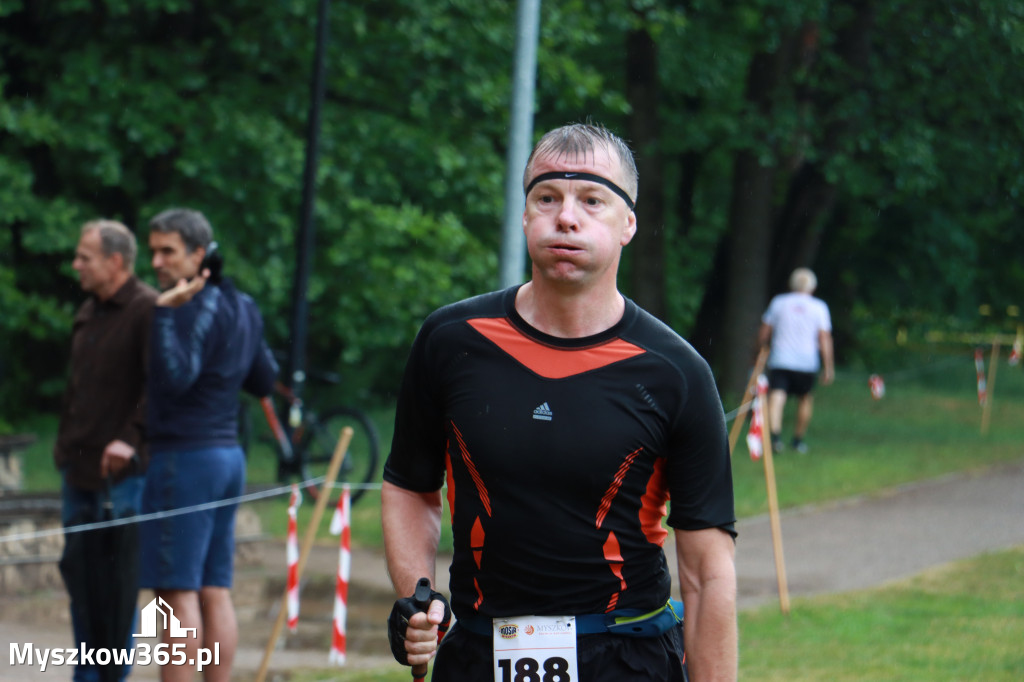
x,y
416,461
700,468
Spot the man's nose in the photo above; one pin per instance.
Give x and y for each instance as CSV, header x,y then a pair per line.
x,y
567,219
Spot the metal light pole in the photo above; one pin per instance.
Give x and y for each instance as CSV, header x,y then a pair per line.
x,y
520,140
296,370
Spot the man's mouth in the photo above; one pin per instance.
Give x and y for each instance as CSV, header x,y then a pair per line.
x,y
563,247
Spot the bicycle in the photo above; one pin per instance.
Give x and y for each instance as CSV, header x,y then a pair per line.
x,y
307,451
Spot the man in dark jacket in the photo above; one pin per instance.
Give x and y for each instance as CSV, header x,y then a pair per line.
x,y
101,426
207,345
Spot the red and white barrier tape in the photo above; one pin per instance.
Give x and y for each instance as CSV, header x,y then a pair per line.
x,y
341,524
755,434
292,549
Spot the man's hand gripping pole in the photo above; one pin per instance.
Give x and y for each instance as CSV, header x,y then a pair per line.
x,y
398,622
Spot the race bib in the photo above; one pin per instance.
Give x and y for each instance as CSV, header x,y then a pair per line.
x,y
535,649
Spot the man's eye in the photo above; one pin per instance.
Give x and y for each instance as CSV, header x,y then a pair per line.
x,y
592,201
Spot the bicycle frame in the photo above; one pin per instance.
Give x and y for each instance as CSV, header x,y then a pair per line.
x,y
284,443
304,439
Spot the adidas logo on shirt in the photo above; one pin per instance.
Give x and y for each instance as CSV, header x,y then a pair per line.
x,y
543,412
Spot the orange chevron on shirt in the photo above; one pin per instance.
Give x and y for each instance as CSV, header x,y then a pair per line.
x,y
548,361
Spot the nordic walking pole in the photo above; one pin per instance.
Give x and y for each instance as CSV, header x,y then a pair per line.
x,y
307,542
737,424
990,388
776,525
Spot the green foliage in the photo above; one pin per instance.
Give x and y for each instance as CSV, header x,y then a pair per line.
x,y
928,219
383,270
121,108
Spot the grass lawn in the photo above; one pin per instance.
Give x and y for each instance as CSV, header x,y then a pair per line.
x,y
962,621
927,425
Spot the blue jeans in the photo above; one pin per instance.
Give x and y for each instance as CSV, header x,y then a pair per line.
x,y
84,506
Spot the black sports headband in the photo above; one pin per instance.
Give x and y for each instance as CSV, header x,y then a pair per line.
x,y
590,177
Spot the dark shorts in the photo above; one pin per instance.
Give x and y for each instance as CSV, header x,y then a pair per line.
x,y
196,549
467,657
793,383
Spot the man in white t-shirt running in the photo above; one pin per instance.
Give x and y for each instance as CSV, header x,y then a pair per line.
x,y
799,328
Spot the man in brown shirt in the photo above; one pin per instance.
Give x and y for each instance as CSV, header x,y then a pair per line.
x,y
102,421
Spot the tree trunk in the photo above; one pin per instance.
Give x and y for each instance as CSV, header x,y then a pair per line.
x,y
747,268
812,197
751,219
808,205
706,334
689,167
647,278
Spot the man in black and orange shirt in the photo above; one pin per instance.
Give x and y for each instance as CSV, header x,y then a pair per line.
x,y
563,418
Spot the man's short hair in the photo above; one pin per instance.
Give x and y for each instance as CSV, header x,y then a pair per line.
x,y
803,280
580,139
192,225
115,237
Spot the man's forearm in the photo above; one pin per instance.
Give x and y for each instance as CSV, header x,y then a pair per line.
x,y
710,633
412,529
827,355
707,577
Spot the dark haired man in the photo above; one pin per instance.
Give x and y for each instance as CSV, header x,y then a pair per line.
x,y
563,417
207,345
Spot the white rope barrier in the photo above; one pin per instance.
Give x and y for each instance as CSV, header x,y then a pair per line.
x,y
139,518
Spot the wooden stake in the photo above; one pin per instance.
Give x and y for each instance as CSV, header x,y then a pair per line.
x,y
307,542
741,415
773,515
990,388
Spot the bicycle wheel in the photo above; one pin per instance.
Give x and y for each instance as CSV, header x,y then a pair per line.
x,y
359,467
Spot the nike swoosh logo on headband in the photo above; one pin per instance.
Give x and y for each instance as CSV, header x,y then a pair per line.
x,y
565,175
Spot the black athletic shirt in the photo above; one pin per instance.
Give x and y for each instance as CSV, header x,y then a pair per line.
x,y
560,455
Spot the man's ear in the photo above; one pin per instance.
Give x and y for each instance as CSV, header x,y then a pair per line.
x,y
630,231
196,259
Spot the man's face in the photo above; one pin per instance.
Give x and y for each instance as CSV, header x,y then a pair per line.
x,y
171,260
575,229
97,273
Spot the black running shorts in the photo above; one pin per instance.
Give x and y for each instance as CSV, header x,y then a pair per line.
x,y
793,383
468,657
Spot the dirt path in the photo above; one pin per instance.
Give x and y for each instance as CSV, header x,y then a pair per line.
x,y
864,542
831,548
